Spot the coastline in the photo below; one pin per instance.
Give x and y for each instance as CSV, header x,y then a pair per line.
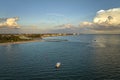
x,y
20,42
35,39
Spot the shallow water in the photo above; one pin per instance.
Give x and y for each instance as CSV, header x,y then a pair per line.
x,y
83,57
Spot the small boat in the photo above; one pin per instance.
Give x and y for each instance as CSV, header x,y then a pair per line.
x,y
57,64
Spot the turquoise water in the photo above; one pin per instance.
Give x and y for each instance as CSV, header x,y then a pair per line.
x,y
83,57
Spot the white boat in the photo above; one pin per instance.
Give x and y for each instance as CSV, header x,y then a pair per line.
x,y
57,64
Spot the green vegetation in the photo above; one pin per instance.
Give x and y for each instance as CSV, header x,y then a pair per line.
x,y
26,37
12,38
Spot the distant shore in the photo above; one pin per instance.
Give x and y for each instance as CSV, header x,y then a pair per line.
x,y
6,39
21,42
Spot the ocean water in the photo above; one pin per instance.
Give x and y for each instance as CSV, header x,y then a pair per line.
x,y
82,57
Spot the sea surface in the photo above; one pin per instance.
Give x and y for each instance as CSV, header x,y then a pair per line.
x,y
82,57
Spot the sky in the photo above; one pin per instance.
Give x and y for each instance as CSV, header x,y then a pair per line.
x,y
58,16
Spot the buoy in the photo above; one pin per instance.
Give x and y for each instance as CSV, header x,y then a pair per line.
x,y
57,64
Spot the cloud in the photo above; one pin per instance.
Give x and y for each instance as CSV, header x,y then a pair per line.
x,y
86,24
65,26
104,20
9,22
109,17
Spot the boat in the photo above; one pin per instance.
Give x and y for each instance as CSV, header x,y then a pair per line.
x,y
57,64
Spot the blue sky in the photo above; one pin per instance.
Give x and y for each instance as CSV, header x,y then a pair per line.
x,y
47,14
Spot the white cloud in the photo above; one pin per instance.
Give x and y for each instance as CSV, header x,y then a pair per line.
x,y
65,26
100,11
9,22
109,17
68,26
105,20
85,24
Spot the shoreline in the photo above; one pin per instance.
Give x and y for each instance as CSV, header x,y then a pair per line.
x,y
20,42
23,42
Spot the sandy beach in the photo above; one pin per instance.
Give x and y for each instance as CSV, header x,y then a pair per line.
x,y
21,42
